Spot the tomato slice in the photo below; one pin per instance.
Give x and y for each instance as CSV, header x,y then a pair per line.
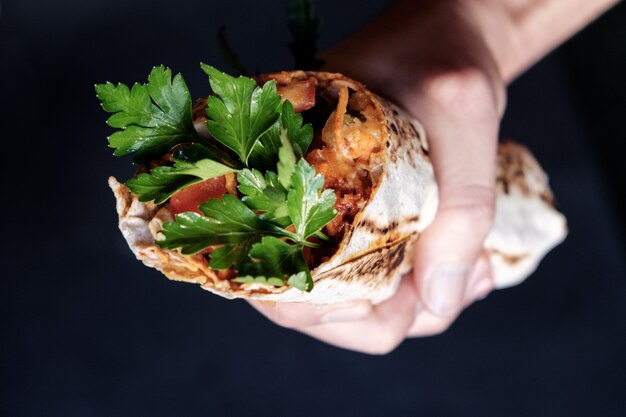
x,y
191,197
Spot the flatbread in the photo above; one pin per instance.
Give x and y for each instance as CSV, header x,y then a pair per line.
x,y
378,249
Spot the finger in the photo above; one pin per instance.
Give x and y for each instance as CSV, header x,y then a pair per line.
x,y
428,324
380,332
480,283
460,113
292,315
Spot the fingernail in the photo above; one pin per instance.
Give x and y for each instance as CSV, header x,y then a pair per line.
x,y
445,289
351,312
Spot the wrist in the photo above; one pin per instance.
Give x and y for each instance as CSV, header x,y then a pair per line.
x,y
520,32
496,25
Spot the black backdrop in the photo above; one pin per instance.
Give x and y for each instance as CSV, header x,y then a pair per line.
x,y
86,330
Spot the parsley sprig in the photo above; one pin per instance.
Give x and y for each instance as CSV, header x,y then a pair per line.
x,y
240,111
284,206
227,222
260,245
152,117
265,194
162,182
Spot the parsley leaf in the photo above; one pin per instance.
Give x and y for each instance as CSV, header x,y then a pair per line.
x,y
265,195
228,255
251,182
272,179
241,111
196,152
153,117
276,282
225,222
302,280
286,161
300,136
279,259
265,152
310,209
162,182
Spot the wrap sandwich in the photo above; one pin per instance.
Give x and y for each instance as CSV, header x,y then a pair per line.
x,y
364,163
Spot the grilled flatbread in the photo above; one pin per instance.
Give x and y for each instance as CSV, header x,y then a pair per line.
x,y
377,247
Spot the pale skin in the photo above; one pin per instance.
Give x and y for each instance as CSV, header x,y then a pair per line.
x,y
448,63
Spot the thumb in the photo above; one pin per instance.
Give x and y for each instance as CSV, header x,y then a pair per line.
x,y
448,250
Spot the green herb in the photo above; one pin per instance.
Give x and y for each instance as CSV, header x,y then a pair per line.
x,y
276,282
280,188
309,208
241,111
225,222
304,27
196,151
302,280
282,260
300,136
153,117
286,161
265,152
231,58
255,244
228,256
264,194
162,182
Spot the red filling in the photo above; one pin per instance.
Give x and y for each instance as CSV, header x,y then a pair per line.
x,y
190,198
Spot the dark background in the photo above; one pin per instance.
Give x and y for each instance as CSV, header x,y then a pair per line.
x,y
86,330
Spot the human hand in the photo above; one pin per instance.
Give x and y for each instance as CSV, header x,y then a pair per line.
x,y
434,63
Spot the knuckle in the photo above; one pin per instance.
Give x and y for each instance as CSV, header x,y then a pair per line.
x,y
472,207
469,90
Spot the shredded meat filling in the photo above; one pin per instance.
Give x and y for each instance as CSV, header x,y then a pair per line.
x,y
300,91
344,160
